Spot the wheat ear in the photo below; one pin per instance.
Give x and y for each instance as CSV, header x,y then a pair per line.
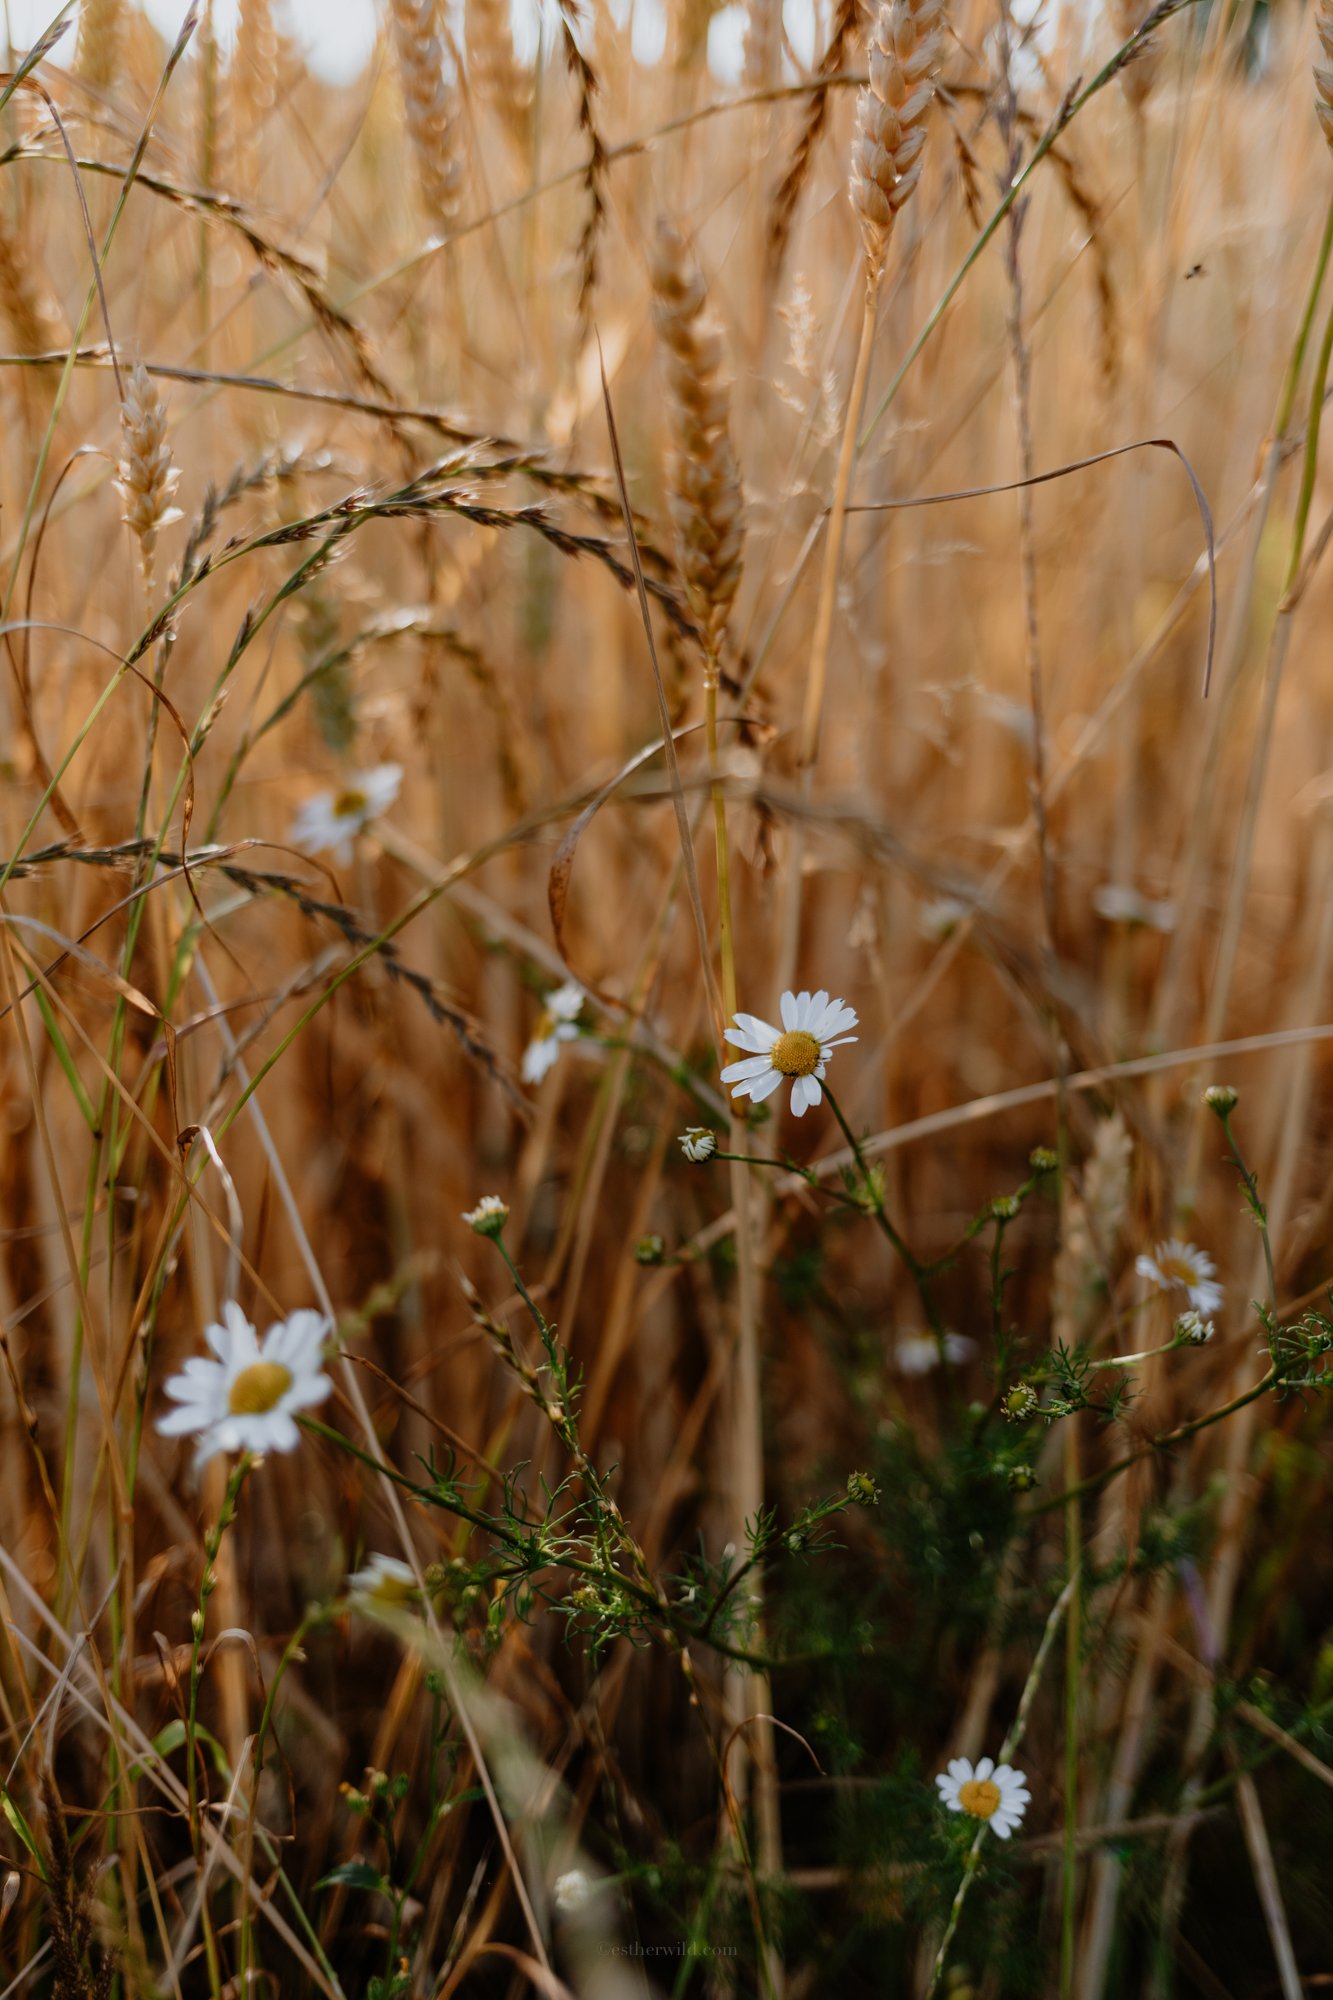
x,y
430,99
100,26
496,76
705,488
1323,71
905,48
147,475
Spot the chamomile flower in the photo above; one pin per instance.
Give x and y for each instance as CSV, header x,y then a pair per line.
x,y
993,1793
384,1580
918,1353
245,1399
1179,1266
556,1025
698,1143
798,1051
333,819
489,1216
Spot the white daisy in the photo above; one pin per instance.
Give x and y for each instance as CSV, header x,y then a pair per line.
x,y
993,1792
1175,1265
384,1580
556,1025
246,1399
812,1027
918,1353
698,1143
333,819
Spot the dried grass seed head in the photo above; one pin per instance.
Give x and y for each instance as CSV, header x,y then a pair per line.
x,y
704,484
430,99
101,26
905,48
147,476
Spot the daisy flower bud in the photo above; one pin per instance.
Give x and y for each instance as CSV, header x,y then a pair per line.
x,y
698,1143
489,1216
1020,1403
1193,1329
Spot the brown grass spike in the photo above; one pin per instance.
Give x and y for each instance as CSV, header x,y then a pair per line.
x,y
705,488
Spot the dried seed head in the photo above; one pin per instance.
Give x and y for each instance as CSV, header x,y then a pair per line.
x,y
430,99
905,49
1140,73
496,76
147,476
705,487
1323,71
100,26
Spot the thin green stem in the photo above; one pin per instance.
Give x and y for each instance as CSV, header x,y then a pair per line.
x,y
920,1272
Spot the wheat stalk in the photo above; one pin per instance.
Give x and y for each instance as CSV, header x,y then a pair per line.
x,y
905,48
430,99
147,477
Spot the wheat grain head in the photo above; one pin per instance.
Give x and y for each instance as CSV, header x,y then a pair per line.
x,y
705,489
905,48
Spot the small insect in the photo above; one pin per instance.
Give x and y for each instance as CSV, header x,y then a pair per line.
x,y
1195,271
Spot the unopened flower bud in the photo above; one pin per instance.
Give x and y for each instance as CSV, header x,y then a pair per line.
x,y
1221,1098
489,1216
1020,1403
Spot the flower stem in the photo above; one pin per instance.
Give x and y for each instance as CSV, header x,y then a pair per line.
x,y
207,1585
920,1272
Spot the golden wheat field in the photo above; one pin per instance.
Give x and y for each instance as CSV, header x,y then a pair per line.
x,y
665,1222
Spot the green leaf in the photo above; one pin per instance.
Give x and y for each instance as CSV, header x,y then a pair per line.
x,y
24,1832
354,1875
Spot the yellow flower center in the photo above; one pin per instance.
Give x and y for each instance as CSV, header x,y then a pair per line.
x,y
979,1797
1180,1270
350,804
796,1053
258,1388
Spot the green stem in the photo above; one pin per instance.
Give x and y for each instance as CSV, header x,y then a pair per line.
x,y
920,1272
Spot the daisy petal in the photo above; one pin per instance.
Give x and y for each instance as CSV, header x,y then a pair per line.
x,y
764,1086
750,1024
752,1066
